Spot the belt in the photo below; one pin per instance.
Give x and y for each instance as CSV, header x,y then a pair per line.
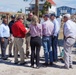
x,y
70,37
5,37
46,36
17,36
65,38
35,37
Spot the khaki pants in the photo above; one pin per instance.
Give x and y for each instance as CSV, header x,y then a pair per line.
x,y
27,38
68,45
18,46
11,44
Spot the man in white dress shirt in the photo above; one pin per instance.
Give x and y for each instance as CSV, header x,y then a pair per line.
x,y
69,40
4,37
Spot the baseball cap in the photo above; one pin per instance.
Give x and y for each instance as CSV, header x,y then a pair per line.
x,y
67,15
13,16
53,14
46,15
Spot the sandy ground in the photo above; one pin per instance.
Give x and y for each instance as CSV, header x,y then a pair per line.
x,y
8,68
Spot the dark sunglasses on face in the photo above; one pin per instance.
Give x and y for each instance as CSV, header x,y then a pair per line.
x,y
64,17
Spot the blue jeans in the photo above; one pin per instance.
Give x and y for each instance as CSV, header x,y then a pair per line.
x,y
46,40
54,47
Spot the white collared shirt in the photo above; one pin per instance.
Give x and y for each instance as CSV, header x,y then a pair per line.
x,y
4,30
70,29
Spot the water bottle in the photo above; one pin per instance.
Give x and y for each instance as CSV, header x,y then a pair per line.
x,y
62,53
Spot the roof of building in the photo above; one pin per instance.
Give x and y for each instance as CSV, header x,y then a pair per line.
x,y
11,13
52,2
43,1
66,7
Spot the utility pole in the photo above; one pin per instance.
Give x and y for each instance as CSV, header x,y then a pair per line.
x,y
37,7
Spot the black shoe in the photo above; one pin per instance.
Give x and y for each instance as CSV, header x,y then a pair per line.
x,y
55,61
37,67
71,66
18,55
32,66
10,55
22,63
45,64
16,62
4,58
51,63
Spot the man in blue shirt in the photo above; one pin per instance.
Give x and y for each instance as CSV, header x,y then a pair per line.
x,y
4,37
55,36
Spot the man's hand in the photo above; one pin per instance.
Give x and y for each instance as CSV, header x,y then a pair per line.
x,y
9,39
27,30
2,40
54,36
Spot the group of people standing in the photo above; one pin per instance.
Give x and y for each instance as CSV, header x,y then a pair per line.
x,y
37,34
49,31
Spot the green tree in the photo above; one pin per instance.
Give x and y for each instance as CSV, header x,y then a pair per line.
x,y
45,7
20,11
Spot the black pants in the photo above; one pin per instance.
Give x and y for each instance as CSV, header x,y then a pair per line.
x,y
35,43
3,47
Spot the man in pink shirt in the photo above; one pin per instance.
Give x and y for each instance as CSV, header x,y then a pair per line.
x,y
47,29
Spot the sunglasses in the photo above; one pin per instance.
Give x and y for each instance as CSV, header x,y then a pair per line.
x,y
64,17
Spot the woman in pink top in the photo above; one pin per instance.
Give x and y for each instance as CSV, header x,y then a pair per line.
x,y
35,42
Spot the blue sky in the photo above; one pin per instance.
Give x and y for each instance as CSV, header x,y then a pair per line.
x,y
15,5
71,3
